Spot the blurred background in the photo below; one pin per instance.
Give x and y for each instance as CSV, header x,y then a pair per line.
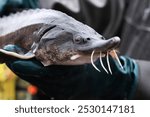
x,y
128,19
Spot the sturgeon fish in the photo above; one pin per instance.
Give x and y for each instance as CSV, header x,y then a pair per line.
x,y
53,38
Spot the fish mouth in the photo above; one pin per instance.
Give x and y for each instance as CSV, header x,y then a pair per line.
x,y
104,48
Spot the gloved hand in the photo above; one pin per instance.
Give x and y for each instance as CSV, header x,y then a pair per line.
x,y
78,82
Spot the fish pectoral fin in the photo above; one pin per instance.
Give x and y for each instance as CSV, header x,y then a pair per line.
x,y
14,51
28,55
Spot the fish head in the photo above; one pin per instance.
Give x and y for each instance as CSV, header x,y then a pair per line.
x,y
72,44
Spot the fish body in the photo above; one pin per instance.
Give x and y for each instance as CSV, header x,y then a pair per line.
x,y
52,37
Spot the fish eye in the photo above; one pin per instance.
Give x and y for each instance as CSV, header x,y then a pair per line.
x,y
78,39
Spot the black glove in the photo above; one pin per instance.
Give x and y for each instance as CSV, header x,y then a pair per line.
x,y
78,82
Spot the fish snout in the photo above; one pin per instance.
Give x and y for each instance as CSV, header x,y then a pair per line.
x,y
100,45
112,43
